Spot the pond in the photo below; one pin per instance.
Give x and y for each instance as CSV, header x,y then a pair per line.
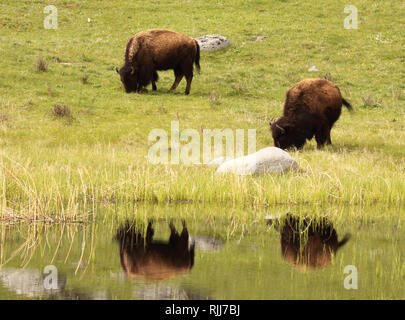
x,y
198,252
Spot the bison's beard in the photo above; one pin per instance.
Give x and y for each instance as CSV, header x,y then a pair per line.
x,y
130,83
289,141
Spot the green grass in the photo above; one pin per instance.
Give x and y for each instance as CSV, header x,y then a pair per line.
x,y
64,167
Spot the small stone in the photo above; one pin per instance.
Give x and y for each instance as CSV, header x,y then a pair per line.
x,y
313,69
258,38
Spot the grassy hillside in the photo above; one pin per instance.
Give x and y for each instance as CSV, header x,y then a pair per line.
x,y
59,164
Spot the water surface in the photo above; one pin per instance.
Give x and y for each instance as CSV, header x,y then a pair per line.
x,y
191,252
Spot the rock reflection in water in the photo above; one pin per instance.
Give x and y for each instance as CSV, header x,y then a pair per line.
x,y
307,244
167,291
143,258
206,243
30,283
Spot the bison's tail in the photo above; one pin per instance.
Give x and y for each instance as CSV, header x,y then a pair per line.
x,y
197,57
342,242
347,104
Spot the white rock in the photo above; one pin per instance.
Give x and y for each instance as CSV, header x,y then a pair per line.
x,y
267,160
313,69
218,161
212,42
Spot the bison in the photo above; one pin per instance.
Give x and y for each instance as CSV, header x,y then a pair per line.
x,y
311,108
153,50
141,257
306,244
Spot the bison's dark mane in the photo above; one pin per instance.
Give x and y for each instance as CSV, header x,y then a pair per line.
x,y
129,45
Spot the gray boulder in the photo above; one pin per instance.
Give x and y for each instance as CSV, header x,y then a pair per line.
x,y
264,161
212,42
218,161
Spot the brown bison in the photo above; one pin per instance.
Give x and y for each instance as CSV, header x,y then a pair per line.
x,y
311,108
306,244
146,259
152,50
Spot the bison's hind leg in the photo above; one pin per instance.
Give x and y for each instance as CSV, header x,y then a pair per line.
x,y
178,76
155,78
184,232
183,241
188,72
189,78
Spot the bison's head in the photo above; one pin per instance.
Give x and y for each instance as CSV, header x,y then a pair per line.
x,y
128,78
285,135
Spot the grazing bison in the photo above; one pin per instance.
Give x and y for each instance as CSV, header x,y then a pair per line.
x,y
311,108
143,258
152,50
307,244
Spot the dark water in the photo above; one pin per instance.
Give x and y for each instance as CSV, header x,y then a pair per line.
x,y
192,254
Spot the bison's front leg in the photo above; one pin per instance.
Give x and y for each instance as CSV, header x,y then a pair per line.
x,y
322,136
139,88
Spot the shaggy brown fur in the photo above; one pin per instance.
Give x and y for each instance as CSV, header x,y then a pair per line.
x,y
308,245
311,108
143,258
152,50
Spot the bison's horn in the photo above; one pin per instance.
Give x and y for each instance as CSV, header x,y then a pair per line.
x,y
281,128
116,69
132,71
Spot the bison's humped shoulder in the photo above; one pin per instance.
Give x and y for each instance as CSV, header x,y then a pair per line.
x,y
133,47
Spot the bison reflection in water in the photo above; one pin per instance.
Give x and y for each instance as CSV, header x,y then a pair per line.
x,y
141,257
307,244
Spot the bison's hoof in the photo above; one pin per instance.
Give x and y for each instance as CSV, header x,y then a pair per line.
x,y
143,90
